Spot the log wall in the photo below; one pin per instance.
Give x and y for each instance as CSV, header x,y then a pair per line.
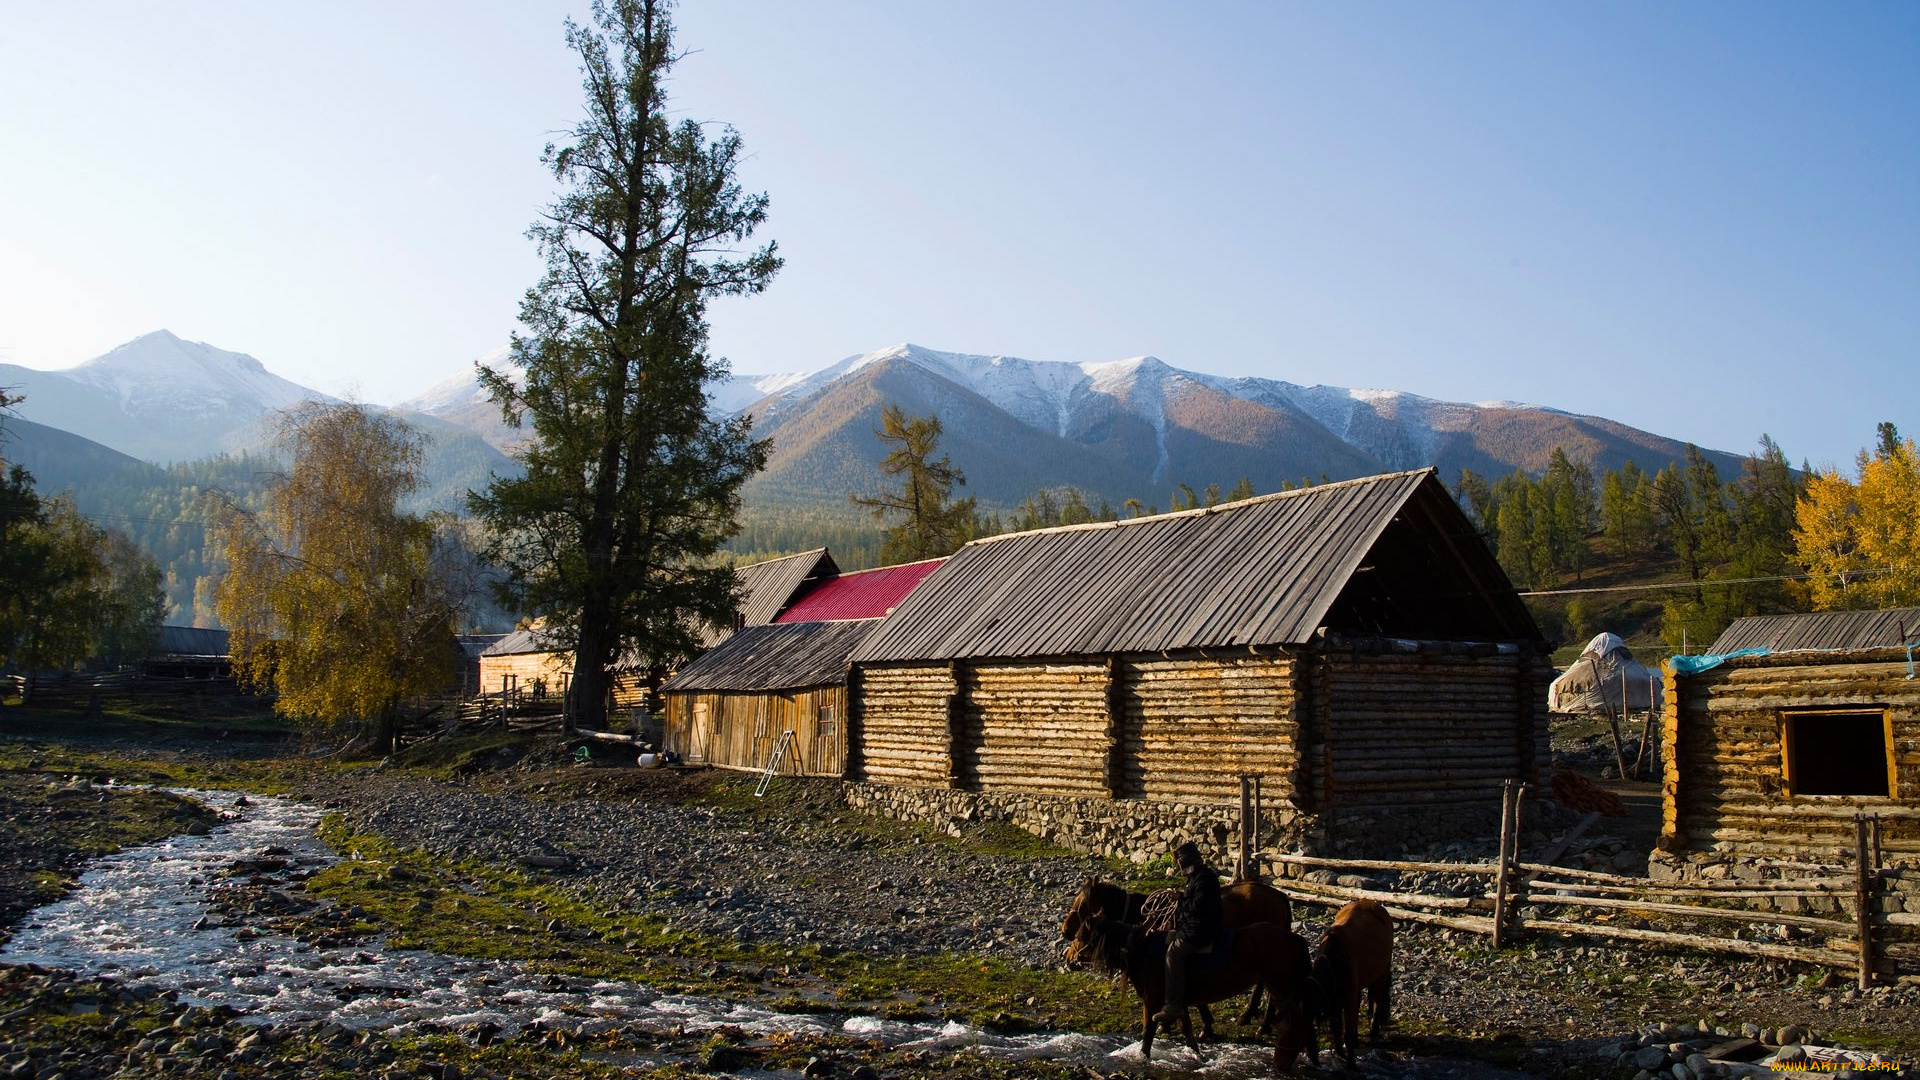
x,y
527,667
1721,741
1190,727
1038,727
735,730
901,725
1394,725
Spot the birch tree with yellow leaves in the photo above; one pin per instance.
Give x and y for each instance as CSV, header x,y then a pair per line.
x,y
341,603
1859,541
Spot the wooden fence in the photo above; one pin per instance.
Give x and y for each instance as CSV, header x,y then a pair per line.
x,y
1538,897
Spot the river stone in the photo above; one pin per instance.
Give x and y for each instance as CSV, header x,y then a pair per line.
x,y
1791,1054
1651,1057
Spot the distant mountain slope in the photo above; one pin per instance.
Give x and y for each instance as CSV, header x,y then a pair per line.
x,y
61,461
157,397
1139,427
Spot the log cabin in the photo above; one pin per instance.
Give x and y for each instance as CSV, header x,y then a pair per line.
x,y
527,656
1355,645
1772,753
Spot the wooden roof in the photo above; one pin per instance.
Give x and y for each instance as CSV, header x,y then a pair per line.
x,y
1389,555
771,585
1822,630
780,656
521,642
189,641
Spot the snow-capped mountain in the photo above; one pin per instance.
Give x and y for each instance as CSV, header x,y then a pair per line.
x,y
157,397
1139,426
1134,427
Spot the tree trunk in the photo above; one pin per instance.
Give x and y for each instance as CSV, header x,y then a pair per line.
x,y
587,695
385,729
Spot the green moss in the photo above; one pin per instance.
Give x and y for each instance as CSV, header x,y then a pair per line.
x,y
497,912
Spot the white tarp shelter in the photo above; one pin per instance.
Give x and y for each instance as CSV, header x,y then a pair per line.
x,y
1605,681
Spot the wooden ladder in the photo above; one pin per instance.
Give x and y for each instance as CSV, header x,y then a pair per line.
x,y
773,762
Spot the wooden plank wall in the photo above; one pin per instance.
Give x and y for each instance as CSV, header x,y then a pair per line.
x,y
1034,726
1190,727
1422,726
1724,790
902,724
528,666
743,728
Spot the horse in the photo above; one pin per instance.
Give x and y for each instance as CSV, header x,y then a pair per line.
x,y
1241,904
1265,955
1354,954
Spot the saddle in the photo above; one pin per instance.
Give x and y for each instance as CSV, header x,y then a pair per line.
x,y
1216,958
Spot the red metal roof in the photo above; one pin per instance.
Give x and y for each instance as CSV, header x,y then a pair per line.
x,y
863,594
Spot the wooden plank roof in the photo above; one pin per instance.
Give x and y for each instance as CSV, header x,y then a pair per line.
x,y
189,641
1264,571
1822,630
770,586
779,656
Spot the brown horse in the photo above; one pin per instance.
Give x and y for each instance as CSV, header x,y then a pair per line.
x,y
1241,904
1354,954
1265,955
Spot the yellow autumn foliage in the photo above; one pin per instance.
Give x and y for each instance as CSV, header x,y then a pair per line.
x,y
1860,541
332,595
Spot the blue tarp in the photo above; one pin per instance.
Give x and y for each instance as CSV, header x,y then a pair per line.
x,y
1694,665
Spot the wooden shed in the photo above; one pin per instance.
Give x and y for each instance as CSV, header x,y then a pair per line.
x,y
729,707
189,652
1354,644
1771,754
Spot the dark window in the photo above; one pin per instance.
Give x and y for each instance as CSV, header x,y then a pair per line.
x,y
1836,752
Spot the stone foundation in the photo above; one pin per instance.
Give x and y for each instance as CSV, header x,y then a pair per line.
x,y
1140,830
1899,891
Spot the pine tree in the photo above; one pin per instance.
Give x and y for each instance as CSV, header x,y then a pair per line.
x,y
630,488
932,522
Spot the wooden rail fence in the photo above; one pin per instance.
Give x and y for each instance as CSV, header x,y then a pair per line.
x,y
1539,897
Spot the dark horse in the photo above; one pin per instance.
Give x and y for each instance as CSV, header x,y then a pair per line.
x,y
1267,955
1354,954
1241,904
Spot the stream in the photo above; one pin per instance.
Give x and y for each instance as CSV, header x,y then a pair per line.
x,y
143,917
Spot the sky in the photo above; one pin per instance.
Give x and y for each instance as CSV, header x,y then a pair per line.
x,y
1698,219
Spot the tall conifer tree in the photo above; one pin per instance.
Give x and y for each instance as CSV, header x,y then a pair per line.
x,y
630,487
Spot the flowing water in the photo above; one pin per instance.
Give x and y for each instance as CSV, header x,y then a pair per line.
x,y
144,917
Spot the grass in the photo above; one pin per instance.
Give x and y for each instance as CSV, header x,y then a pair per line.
x,y
498,912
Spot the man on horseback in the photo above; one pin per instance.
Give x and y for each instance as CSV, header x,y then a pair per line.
x,y
1196,926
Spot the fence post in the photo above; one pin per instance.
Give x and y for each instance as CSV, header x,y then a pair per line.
x,y
1864,879
1507,809
1246,812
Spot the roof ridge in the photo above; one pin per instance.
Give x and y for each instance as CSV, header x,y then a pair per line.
x,y
1202,511
816,553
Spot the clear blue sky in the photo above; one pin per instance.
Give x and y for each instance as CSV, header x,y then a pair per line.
x,y
1700,219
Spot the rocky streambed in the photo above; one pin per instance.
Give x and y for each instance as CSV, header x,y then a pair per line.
x,y
315,992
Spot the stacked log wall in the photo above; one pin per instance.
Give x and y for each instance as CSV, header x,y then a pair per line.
x,y
1034,726
1190,727
744,727
1721,733
1427,725
901,724
526,668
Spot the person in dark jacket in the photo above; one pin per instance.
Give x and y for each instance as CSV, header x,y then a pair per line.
x,y
1196,926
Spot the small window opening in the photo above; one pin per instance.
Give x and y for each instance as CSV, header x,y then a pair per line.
x,y
1836,752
